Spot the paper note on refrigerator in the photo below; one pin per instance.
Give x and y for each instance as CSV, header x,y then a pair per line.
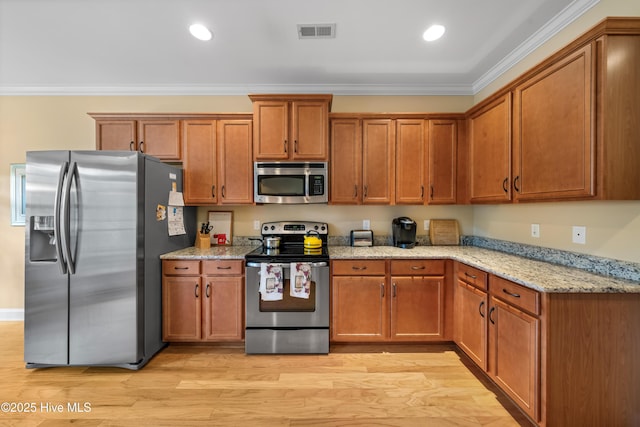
x,y
175,198
176,221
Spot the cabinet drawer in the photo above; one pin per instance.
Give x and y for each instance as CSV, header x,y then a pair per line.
x,y
516,295
356,267
417,267
222,267
180,267
471,275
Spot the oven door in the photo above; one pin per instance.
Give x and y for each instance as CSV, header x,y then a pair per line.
x,y
289,312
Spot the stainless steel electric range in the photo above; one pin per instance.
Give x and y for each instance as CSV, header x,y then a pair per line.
x,y
287,290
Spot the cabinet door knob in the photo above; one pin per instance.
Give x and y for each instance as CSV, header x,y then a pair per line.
x,y
515,183
381,290
213,191
355,191
196,291
131,146
285,146
394,290
141,146
222,190
480,309
295,146
504,185
207,291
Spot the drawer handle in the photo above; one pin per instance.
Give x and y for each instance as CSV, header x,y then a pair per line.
x,y
224,268
196,291
480,309
180,268
470,275
359,268
510,294
490,313
394,290
207,291
381,290
418,267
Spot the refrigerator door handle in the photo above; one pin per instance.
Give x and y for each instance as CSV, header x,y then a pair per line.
x,y
57,232
66,201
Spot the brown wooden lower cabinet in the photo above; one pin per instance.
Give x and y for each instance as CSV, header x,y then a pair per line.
x,y
382,300
202,300
566,359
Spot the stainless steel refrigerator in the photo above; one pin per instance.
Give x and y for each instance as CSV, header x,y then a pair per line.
x,y
97,222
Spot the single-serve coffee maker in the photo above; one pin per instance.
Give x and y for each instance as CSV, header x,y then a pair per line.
x,y
404,232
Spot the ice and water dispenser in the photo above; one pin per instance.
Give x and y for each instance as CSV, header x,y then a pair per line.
x,y
42,246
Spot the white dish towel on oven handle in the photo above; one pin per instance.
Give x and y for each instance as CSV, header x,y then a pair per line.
x,y
271,282
300,280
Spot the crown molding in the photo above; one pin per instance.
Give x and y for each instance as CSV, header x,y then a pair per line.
x,y
550,29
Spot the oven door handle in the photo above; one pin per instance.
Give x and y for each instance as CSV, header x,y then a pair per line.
x,y
287,265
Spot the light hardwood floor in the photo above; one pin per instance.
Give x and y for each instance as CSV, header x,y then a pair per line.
x,y
212,385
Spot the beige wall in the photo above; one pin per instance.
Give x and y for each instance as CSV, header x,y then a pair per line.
x,y
37,123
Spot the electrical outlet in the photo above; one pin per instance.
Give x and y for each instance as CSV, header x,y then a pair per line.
x,y
426,224
535,230
256,225
579,235
366,224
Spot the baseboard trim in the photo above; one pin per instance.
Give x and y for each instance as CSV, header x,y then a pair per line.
x,y
11,314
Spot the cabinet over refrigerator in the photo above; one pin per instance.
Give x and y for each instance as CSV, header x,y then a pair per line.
x,y
96,226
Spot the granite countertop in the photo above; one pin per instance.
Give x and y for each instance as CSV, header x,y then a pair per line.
x,y
538,275
214,252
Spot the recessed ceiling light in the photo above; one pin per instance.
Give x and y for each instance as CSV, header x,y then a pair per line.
x,y
200,32
434,32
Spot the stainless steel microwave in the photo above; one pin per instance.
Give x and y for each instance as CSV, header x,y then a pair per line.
x,y
290,182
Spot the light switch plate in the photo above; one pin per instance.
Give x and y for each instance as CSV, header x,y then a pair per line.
x,y
256,225
366,224
426,224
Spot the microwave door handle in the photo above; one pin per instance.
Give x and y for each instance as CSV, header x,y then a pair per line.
x,y
57,232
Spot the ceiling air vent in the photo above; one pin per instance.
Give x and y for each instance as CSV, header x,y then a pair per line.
x,y
316,31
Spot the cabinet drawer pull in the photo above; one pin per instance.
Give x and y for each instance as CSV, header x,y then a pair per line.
x,y
222,191
480,309
131,146
422,192
180,268
228,267
213,191
515,183
490,313
355,267
418,267
207,291
431,195
285,146
394,290
141,146
295,146
381,290
510,294
470,275
196,291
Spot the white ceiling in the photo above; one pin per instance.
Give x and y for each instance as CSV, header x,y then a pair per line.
x,y
144,46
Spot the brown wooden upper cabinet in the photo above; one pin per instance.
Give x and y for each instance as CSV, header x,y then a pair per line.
x,y
362,161
442,161
554,130
291,127
158,137
217,162
489,130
